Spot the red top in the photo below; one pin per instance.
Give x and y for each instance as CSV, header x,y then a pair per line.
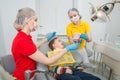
x,y
23,47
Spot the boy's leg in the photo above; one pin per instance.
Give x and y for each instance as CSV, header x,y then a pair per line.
x,y
67,76
84,75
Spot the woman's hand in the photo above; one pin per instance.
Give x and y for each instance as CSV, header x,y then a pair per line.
x,y
84,36
50,35
68,71
73,46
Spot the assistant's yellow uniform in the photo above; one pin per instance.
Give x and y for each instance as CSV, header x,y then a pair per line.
x,y
83,28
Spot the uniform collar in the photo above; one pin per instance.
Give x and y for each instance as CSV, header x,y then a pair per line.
x,y
25,35
78,25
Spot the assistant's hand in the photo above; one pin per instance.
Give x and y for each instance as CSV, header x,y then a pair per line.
x,y
84,36
73,46
50,35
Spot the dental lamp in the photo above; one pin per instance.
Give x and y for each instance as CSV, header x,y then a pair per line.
x,y
101,13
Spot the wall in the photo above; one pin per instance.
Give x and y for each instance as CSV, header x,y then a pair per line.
x,y
53,15
8,11
2,47
113,26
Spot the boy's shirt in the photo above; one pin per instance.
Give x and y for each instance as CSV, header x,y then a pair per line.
x,y
66,59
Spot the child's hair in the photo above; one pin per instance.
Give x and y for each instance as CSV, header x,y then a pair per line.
x,y
51,43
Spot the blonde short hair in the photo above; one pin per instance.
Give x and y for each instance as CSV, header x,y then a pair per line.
x,y
21,15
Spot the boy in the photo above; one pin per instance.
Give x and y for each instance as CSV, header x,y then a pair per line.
x,y
67,73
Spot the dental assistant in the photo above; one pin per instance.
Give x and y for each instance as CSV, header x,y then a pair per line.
x,y
24,50
83,29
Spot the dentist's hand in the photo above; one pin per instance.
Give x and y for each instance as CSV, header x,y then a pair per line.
x,y
50,35
84,36
73,46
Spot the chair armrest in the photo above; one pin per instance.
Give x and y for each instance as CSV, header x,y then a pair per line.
x,y
28,72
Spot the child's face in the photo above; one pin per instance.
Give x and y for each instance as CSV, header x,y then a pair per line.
x,y
58,44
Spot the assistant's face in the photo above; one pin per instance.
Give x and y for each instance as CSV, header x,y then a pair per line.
x,y
73,14
74,17
58,44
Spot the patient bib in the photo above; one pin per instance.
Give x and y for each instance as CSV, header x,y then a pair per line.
x,y
67,58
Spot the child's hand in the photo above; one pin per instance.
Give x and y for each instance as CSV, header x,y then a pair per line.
x,y
68,71
84,36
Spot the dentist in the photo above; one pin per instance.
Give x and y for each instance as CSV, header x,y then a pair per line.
x,y
24,50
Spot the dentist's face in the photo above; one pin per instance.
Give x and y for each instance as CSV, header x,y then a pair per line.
x,y
33,24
